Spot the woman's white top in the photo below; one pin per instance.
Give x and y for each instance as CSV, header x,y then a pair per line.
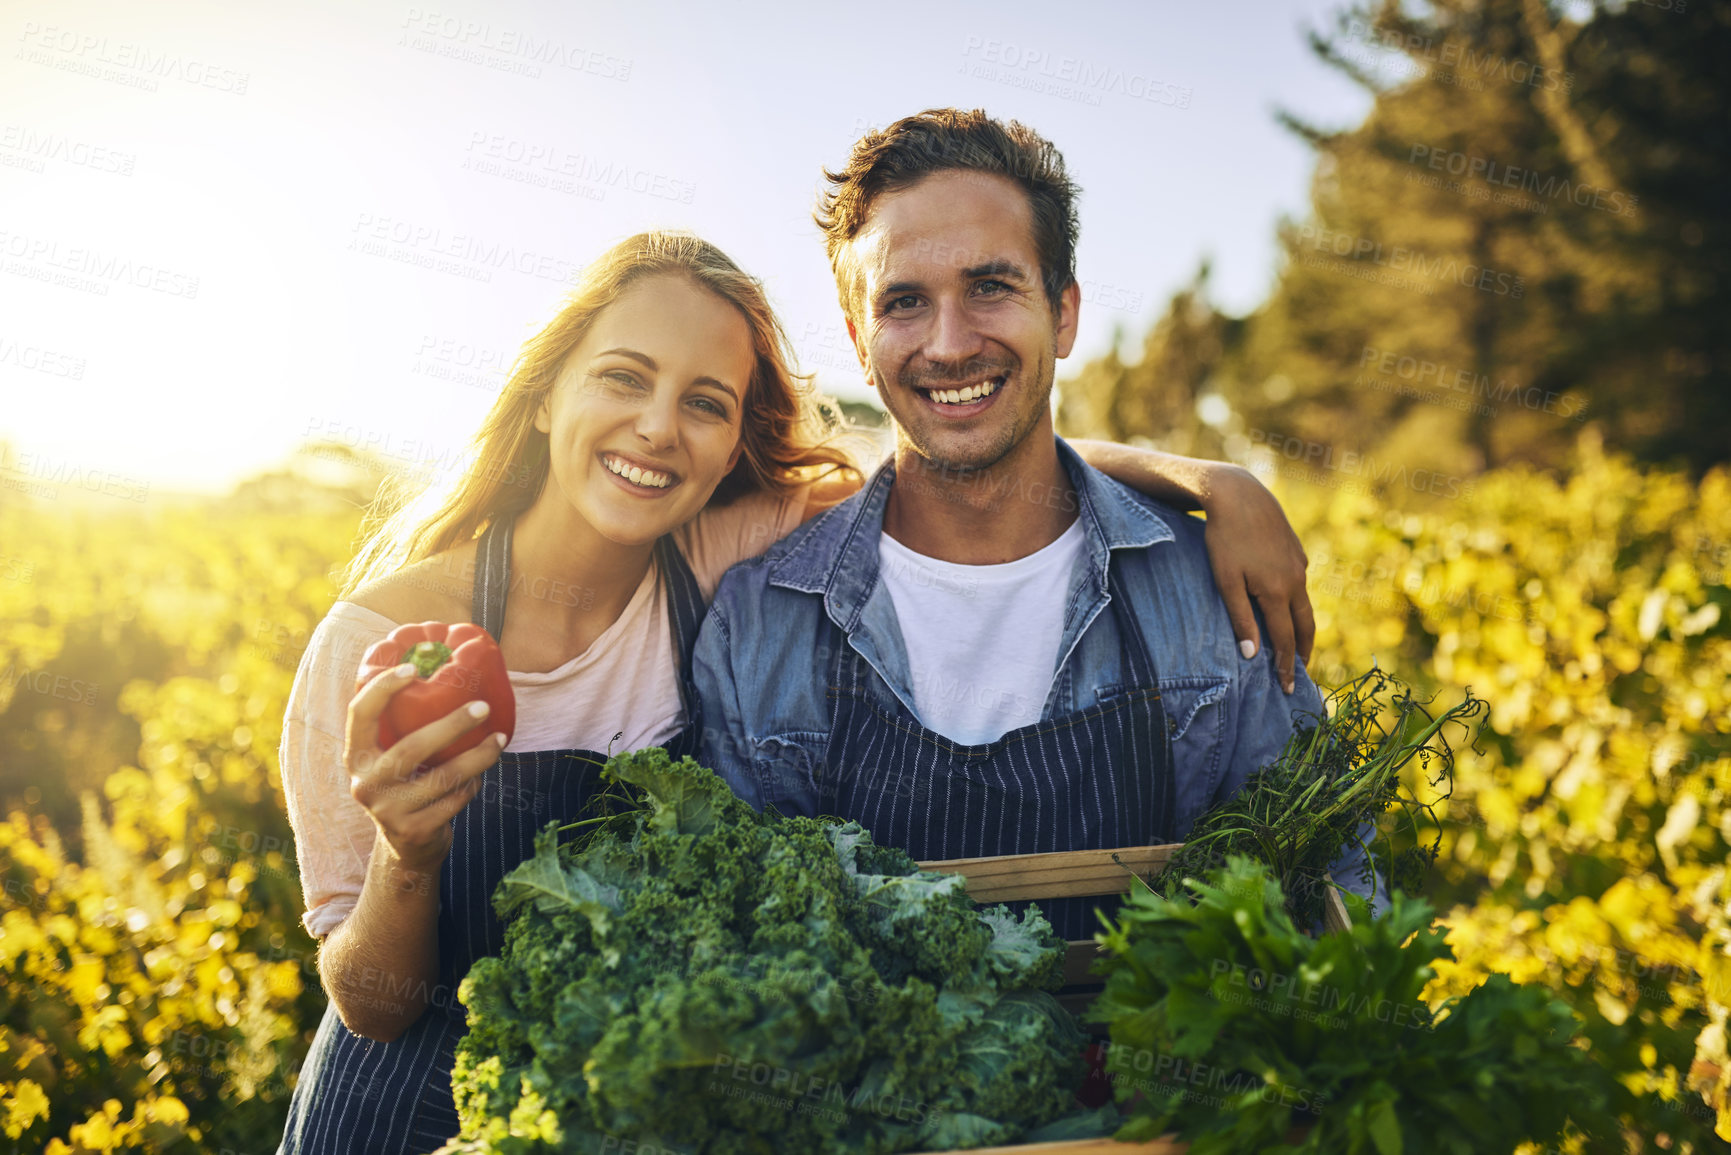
x,y
624,683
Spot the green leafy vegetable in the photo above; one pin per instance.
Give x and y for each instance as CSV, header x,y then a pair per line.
x,y
1241,1033
692,976
1299,813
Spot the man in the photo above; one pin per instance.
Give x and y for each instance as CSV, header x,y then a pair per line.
x,y
992,648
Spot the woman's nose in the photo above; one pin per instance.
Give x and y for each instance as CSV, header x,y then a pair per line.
x,y
658,422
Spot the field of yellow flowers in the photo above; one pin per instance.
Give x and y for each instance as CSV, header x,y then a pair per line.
x,y
157,992
1585,845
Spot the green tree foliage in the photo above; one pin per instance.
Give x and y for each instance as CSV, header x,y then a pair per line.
x,y
1154,401
1528,230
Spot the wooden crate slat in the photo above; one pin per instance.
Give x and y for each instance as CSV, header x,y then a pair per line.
x,y
1334,916
1059,874
1106,1146
1080,874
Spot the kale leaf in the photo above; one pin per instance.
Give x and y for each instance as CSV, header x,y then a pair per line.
x,y
696,977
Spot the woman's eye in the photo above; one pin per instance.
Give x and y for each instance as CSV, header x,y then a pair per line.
x,y
709,406
618,379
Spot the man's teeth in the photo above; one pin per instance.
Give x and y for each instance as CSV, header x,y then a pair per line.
x,y
971,393
637,475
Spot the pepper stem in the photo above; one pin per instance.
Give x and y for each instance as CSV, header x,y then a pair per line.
x,y
427,657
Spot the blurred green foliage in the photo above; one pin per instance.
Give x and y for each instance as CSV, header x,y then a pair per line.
x,y
1529,231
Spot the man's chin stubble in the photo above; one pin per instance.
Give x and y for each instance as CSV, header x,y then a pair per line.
x,y
974,468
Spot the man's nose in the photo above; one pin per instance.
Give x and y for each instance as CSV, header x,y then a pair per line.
x,y
953,338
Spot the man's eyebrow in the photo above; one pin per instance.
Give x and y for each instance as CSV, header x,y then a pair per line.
x,y
648,363
999,268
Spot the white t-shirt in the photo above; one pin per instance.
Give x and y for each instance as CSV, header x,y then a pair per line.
x,y
982,640
625,682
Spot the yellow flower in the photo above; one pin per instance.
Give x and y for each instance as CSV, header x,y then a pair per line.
x,y
24,1104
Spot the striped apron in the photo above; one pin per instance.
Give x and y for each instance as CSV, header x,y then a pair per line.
x,y
1099,777
358,1095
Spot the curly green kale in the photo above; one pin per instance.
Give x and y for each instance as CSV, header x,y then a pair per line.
x,y
697,977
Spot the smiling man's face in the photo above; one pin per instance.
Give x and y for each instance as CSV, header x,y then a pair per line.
x,y
951,319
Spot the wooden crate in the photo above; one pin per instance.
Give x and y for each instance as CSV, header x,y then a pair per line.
x,y
1078,874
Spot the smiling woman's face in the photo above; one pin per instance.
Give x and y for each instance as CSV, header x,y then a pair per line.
x,y
644,420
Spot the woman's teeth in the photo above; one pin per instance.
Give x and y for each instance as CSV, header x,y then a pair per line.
x,y
637,475
971,393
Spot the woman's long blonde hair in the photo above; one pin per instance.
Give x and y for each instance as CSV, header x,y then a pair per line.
x,y
785,439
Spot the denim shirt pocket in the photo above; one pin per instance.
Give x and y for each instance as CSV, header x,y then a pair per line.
x,y
1196,720
788,767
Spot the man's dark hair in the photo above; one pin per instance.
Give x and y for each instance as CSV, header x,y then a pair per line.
x,y
941,139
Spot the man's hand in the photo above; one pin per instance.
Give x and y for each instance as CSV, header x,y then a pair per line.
x,y
1255,554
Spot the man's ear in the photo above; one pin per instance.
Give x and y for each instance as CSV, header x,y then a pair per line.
x,y
859,348
1069,306
851,291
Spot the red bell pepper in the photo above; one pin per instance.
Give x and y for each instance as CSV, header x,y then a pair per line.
x,y
453,664
1096,1090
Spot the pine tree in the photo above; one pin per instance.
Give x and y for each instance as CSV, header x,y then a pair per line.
x,y
1528,231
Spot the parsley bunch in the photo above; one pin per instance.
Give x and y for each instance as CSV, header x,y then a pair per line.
x,y
1241,1033
1328,788
696,977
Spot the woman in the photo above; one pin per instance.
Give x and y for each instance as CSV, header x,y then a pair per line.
x,y
651,436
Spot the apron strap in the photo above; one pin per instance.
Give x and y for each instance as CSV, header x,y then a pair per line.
x,y
685,604
492,576
1140,671
686,607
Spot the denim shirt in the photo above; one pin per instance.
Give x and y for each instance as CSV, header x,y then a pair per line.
x,y
763,658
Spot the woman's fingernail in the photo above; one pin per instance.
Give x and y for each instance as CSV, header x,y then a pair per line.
x,y
406,670
1288,685
478,709
1247,648
500,739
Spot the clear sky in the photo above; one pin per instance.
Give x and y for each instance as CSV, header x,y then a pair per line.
x,y
228,228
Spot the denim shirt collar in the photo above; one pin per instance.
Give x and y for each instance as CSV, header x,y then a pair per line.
x,y
838,555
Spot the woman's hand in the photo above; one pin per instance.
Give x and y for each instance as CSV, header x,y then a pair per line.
x,y
390,942
1255,554
412,805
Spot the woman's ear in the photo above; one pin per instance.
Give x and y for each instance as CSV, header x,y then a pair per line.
x,y
544,413
738,451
